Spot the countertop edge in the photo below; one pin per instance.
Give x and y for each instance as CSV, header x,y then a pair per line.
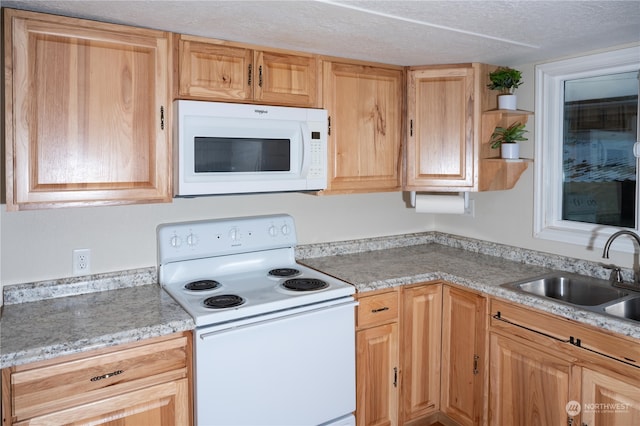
x,y
93,343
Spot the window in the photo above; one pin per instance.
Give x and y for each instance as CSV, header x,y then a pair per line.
x,y
586,131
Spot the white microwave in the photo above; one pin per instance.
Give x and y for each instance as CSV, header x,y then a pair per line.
x,y
225,148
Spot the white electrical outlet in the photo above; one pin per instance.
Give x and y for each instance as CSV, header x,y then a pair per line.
x,y
81,261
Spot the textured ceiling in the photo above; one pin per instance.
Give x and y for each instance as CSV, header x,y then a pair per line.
x,y
396,32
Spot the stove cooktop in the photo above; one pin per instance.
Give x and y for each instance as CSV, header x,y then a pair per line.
x,y
253,293
230,269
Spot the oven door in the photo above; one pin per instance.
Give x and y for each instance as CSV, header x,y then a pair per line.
x,y
297,368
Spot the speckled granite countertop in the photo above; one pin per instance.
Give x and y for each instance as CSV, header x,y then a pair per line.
x,y
477,265
43,320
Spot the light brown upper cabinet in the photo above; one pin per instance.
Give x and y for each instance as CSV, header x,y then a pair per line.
x,y
86,112
365,105
451,115
223,71
442,138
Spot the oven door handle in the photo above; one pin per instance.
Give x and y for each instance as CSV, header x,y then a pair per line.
x,y
232,327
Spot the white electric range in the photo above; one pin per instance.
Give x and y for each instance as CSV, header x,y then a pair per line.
x,y
274,339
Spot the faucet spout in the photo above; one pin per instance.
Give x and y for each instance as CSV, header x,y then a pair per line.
x,y
605,255
607,245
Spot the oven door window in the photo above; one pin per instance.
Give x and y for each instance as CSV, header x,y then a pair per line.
x,y
237,155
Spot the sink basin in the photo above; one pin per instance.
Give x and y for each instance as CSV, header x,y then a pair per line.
x,y
572,288
629,309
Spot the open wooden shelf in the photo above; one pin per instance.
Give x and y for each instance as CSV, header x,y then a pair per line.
x,y
497,173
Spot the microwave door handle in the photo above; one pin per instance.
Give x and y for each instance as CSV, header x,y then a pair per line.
x,y
306,148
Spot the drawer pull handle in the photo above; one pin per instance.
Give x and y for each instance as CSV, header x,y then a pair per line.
x,y
375,311
106,376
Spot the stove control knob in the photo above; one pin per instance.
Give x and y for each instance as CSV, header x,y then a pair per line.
x,y
175,241
192,240
273,231
285,229
234,234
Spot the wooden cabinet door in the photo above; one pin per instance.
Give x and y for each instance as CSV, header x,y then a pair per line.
x,y
377,376
610,399
87,112
528,387
286,79
209,70
365,113
220,71
442,130
464,328
160,405
421,342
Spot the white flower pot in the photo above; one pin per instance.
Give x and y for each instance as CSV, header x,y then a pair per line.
x,y
510,150
507,102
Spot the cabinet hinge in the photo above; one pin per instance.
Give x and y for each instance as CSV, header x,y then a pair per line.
x,y
476,358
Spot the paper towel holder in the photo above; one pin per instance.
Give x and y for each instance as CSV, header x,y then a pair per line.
x,y
467,209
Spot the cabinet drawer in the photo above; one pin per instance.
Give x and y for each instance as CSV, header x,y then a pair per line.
x,y
377,309
61,384
540,326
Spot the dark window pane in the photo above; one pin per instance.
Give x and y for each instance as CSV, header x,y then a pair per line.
x,y
600,129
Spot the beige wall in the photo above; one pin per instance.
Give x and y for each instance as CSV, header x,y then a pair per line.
x,y
38,245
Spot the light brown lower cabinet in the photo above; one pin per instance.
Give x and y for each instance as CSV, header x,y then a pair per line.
x,y
464,356
437,352
408,343
547,370
609,398
146,383
377,359
421,325
529,386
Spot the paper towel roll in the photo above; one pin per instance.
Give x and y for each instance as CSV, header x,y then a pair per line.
x,y
428,203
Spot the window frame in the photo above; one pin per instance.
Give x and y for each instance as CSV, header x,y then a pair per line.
x,y
549,120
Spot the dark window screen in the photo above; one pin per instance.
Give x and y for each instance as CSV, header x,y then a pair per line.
x,y
214,154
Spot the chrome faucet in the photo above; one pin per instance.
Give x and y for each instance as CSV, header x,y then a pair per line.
x,y
616,274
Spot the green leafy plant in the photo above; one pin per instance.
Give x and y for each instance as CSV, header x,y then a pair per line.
x,y
505,80
512,134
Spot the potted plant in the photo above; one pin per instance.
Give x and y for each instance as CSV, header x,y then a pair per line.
x,y
507,139
506,80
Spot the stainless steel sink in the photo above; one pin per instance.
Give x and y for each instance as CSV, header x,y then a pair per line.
x,y
592,294
629,309
574,289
